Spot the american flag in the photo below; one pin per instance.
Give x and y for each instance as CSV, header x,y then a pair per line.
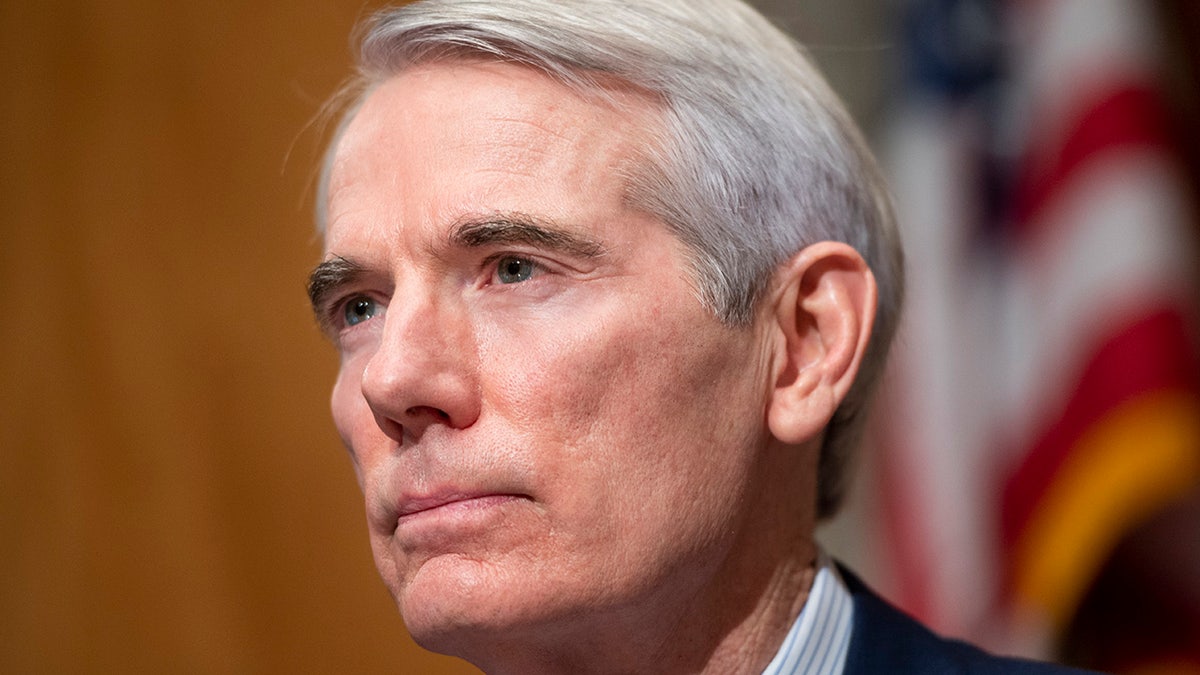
x,y
1044,399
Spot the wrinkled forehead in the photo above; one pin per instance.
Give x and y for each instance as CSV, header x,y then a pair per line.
x,y
522,112
435,146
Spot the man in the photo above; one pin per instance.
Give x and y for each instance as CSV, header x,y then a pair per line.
x,y
611,283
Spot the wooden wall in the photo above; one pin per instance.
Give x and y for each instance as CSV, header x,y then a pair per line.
x,y
172,495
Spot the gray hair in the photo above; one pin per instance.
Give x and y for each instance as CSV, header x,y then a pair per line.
x,y
760,158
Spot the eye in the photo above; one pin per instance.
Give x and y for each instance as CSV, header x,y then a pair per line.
x,y
359,309
512,270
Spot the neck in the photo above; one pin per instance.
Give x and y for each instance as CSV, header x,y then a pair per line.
x,y
750,644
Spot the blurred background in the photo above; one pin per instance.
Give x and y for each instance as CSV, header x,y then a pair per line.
x,y
173,496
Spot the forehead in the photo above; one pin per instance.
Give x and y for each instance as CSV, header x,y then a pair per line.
x,y
440,141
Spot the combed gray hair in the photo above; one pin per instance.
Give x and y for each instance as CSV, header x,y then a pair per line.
x,y
760,158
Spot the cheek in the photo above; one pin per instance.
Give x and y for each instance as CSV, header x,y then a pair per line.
x,y
344,404
576,377
649,477
634,377
629,408
352,417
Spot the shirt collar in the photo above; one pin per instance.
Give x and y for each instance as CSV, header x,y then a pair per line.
x,y
820,637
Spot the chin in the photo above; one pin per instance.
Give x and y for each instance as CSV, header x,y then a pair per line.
x,y
452,594
467,608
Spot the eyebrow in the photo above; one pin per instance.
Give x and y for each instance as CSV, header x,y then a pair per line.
x,y
324,281
494,230
519,228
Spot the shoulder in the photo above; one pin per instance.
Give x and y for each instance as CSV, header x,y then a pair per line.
x,y
885,640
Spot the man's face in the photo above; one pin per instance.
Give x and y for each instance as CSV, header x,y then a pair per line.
x,y
543,417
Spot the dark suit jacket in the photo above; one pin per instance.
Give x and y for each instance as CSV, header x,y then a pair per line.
x,y
885,640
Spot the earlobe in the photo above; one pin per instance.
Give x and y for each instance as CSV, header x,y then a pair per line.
x,y
823,309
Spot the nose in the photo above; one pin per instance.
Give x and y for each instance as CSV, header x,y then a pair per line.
x,y
423,372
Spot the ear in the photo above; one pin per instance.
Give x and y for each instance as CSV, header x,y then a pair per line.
x,y
823,308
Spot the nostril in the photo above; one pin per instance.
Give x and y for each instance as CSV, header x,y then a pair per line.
x,y
417,411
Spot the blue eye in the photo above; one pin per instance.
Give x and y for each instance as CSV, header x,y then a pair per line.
x,y
512,270
360,309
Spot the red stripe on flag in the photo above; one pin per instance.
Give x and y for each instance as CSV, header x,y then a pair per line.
x,y
1129,117
905,527
1153,353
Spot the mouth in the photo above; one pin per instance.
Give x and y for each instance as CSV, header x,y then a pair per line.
x,y
417,518
413,508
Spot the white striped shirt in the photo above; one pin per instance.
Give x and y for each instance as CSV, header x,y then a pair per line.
x,y
820,638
